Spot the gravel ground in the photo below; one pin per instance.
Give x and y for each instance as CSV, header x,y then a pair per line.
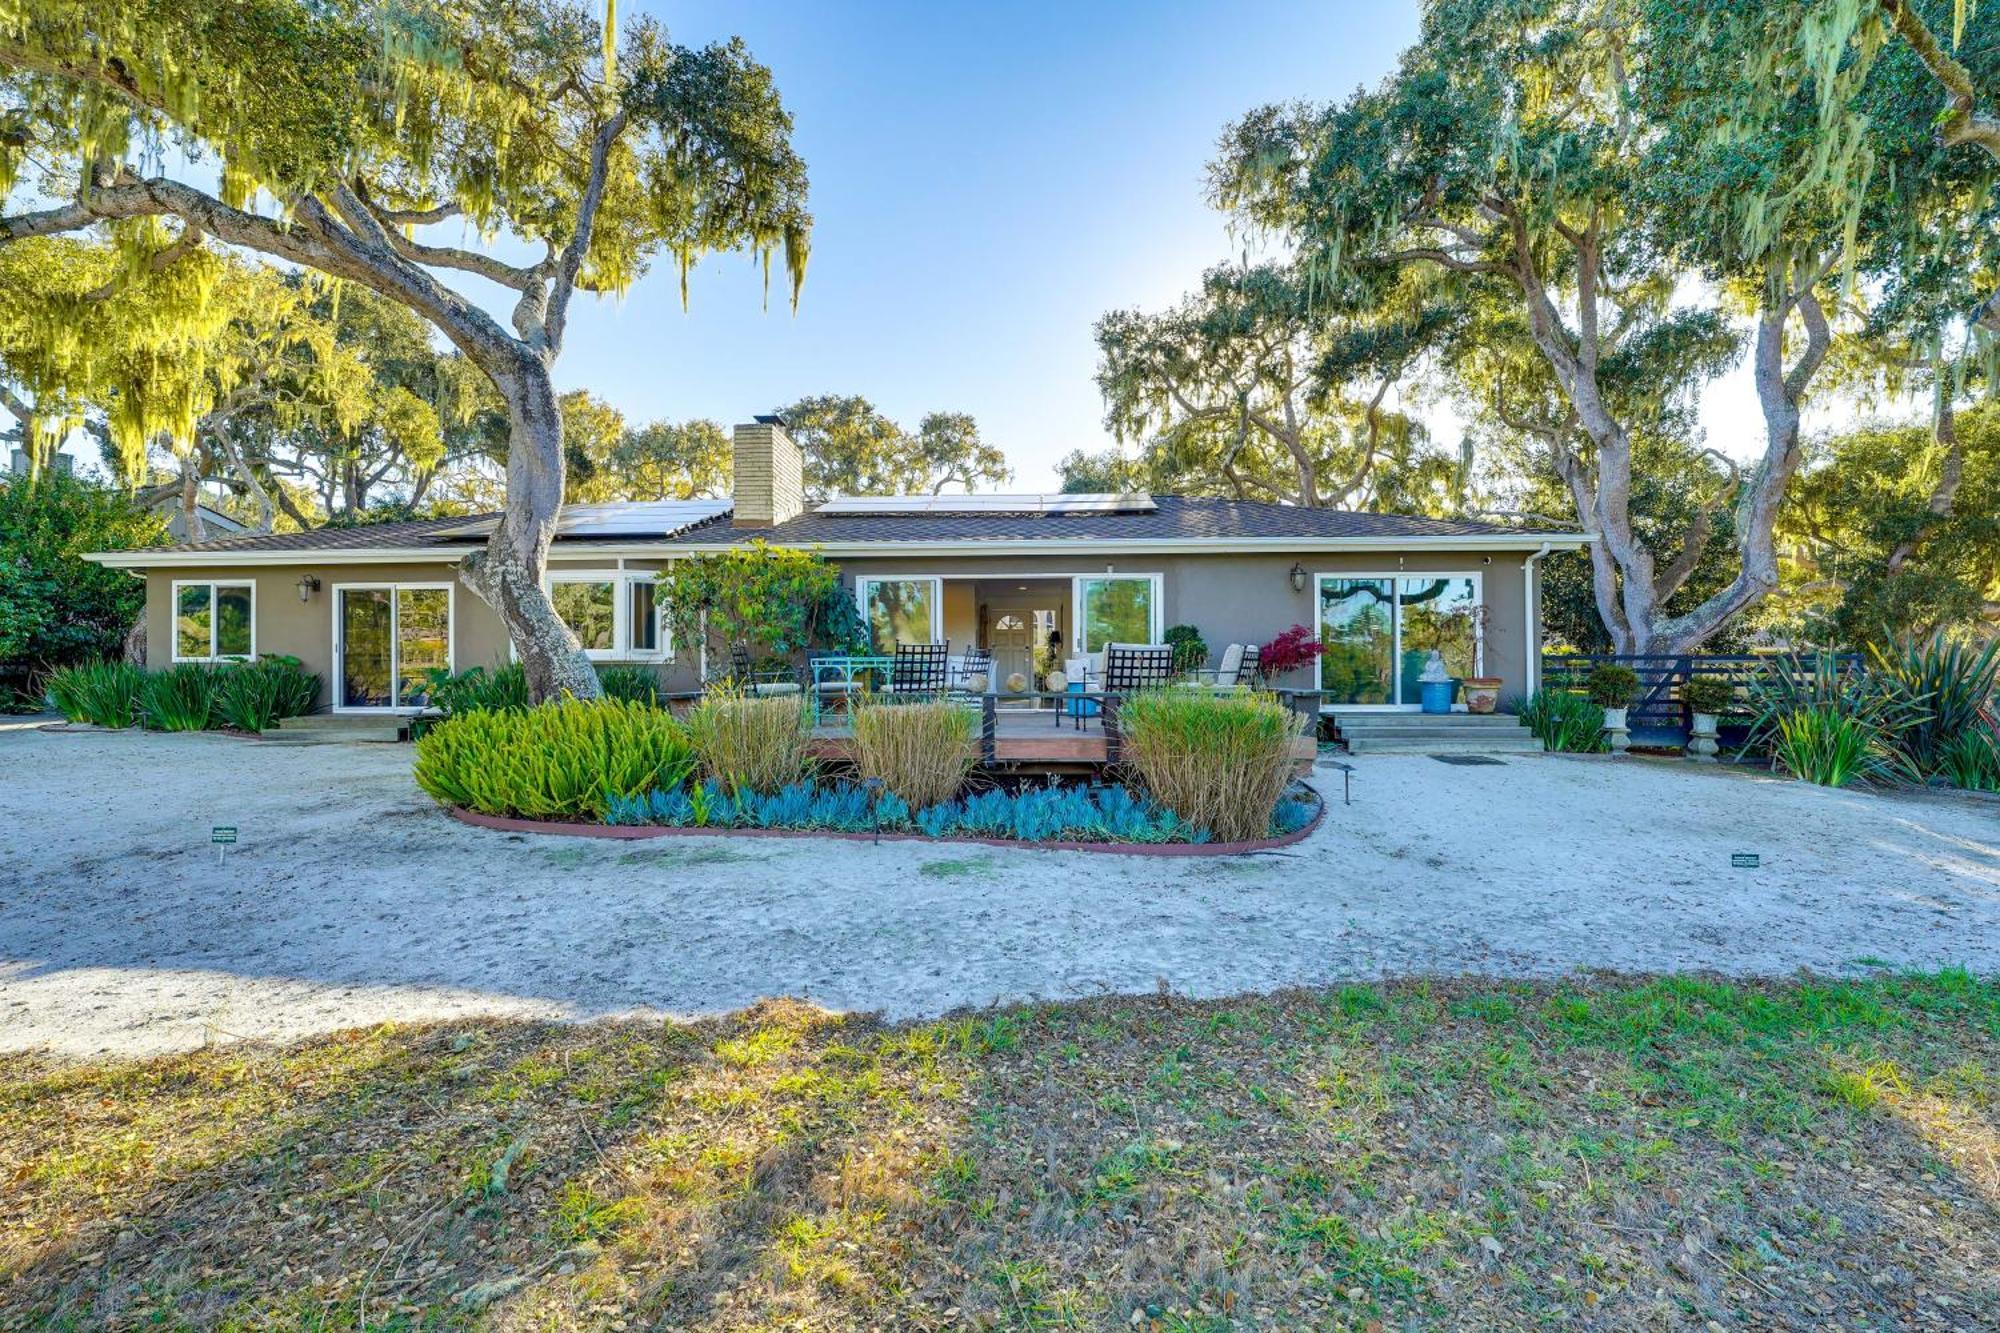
x,y
351,899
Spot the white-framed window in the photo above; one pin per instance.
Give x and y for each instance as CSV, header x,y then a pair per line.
x,y
904,608
1116,608
214,620
617,615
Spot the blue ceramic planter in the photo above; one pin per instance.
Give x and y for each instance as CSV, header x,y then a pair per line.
x,y
1437,694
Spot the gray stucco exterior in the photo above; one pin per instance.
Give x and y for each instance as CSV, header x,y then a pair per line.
x,y
1229,597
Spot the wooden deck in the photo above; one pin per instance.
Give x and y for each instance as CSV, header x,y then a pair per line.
x,y
1030,741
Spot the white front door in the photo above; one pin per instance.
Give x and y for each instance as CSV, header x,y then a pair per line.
x,y
1011,636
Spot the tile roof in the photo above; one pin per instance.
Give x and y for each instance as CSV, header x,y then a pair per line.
x,y
1176,518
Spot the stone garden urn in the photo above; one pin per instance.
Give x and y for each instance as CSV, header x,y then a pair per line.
x,y
1701,746
1616,734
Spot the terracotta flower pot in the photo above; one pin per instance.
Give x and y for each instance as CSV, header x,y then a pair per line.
x,y
1482,693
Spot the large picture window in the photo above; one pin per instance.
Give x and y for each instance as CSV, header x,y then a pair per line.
x,y
900,611
1377,631
1116,608
214,621
614,615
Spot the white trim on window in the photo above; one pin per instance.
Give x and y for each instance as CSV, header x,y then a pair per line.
x,y
339,684
862,583
1393,577
621,581
1156,606
213,620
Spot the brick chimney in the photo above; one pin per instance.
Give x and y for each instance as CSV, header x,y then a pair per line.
x,y
770,479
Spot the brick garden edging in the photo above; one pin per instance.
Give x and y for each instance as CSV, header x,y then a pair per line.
x,y
629,832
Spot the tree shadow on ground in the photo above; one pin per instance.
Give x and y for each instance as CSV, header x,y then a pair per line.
x,y
1609,1154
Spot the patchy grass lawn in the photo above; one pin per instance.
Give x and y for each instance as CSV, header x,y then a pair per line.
x,y
1623,1154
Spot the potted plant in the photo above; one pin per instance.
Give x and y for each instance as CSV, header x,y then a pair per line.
x,y
1482,693
1707,698
1613,688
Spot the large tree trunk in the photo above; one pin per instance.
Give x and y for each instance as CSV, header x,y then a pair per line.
x,y
191,501
507,575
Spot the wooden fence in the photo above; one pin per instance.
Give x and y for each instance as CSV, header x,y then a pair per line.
x,y
1659,718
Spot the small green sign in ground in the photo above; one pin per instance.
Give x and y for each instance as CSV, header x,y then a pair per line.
x,y
222,833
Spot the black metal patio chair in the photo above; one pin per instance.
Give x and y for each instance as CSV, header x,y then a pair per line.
x,y
919,668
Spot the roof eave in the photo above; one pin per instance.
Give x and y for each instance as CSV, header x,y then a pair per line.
x,y
169,558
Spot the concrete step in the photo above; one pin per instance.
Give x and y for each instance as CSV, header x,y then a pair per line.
x,y
1473,721
334,728
1451,743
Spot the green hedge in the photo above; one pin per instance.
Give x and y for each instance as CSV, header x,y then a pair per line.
x,y
561,761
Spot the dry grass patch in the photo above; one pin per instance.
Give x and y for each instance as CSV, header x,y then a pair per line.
x,y
1651,1154
758,744
922,751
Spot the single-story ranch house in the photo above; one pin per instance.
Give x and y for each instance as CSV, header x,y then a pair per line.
x,y
371,608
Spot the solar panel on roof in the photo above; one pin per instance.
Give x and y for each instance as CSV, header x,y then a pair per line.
x,y
632,518
1035,503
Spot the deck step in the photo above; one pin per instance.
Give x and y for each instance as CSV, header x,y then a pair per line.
x,y
1433,733
1344,719
1450,743
336,728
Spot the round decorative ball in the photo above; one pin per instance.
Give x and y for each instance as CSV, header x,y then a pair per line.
x,y
1017,683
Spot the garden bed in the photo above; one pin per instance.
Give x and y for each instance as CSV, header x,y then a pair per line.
x,y
1305,793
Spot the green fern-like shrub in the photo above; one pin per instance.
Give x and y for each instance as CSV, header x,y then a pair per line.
x,y
567,760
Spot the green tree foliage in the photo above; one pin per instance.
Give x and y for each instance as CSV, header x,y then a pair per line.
x,y
673,461
1542,161
1866,496
776,598
345,129
1257,388
852,448
56,608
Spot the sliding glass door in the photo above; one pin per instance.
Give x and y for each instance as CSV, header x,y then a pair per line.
x,y
1377,631
386,638
1357,635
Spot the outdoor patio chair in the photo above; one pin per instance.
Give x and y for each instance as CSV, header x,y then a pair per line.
x,y
1238,667
832,685
1137,666
744,677
973,673
919,668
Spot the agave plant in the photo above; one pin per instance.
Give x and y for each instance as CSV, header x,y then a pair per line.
x,y
1828,724
1952,679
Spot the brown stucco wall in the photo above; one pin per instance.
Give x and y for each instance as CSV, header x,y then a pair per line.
x,y
1230,598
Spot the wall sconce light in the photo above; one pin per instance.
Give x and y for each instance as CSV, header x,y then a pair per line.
x,y
1298,577
308,585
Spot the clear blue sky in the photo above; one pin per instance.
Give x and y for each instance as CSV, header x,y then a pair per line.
x,y
986,181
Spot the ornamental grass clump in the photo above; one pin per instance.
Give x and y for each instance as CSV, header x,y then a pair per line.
x,y
751,744
104,694
181,698
922,751
568,760
1219,762
1563,721
257,696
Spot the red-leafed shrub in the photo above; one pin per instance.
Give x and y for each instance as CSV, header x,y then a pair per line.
x,y
1293,649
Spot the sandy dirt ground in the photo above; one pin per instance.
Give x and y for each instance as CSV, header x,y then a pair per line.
x,y
351,899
